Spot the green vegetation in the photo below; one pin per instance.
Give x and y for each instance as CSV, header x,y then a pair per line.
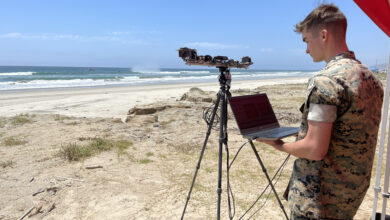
x,y
145,161
60,118
74,152
167,122
149,154
13,141
2,123
123,145
21,119
209,170
73,123
7,163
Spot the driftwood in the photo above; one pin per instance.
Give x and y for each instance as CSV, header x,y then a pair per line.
x,y
41,190
67,178
25,214
53,206
94,167
36,211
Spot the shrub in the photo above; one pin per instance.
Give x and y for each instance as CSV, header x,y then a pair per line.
x,y
7,163
74,152
21,119
13,141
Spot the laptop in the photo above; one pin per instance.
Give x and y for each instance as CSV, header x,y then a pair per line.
x,y
256,119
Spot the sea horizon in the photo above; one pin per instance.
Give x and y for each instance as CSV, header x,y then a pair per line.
x,y
44,77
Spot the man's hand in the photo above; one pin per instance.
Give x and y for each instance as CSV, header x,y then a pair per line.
x,y
313,147
278,144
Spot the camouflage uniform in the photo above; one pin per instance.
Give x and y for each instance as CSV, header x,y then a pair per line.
x,y
334,187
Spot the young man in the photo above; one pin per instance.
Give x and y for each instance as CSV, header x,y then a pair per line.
x,y
340,119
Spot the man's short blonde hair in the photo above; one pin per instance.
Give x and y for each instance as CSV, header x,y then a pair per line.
x,y
324,16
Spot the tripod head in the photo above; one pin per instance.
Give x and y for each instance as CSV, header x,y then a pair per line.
x,y
190,57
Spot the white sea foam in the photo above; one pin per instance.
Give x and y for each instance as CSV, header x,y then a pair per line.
x,y
136,80
17,74
196,72
174,72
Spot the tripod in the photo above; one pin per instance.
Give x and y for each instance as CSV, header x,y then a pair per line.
x,y
222,100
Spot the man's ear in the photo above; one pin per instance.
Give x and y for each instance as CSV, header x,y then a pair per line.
x,y
324,34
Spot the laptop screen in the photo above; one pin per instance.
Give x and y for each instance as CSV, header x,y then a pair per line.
x,y
253,112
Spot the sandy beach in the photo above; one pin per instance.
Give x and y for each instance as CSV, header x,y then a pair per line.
x,y
131,153
111,102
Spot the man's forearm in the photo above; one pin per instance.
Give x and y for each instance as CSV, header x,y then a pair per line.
x,y
313,147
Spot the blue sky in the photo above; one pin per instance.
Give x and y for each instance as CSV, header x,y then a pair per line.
x,y
147,34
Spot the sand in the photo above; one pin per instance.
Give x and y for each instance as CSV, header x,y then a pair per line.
x,y
111,102
148,179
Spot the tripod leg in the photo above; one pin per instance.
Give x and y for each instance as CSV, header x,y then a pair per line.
x,y
269,180
222,141
202,152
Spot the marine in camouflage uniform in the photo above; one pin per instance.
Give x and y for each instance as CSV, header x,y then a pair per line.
x,y
346,93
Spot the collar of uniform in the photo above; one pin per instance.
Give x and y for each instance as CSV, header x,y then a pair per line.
x,y
343,55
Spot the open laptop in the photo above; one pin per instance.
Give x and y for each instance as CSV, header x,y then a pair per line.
x,y
256,119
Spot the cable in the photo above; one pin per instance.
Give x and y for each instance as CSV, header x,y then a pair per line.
x,y
254,203
207,114
278,173
237,154
269,193
229,189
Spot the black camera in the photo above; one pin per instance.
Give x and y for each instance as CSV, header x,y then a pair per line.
x,y
190,56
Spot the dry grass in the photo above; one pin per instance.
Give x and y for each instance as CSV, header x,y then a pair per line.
x,y
5,164
13,141
21,119
75,152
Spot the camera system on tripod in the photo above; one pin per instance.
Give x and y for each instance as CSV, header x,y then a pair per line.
x,y
190,56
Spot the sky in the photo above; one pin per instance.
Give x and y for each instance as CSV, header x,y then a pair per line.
x,y
146,34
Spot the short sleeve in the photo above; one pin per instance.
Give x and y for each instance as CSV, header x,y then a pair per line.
x,y
322,113
324,98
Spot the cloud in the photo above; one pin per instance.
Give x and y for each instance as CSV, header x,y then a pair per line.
x,y
211,45
41,36
266,50
74,37
117,33
11,35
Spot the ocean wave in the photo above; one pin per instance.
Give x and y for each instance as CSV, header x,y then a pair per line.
x,y
41,84
17,74
196,72
203,76
174,72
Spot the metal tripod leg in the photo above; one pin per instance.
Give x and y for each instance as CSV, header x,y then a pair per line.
x,y
222,141
202,152
269,180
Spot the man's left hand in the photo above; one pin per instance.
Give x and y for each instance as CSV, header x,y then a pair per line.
x,y
278,144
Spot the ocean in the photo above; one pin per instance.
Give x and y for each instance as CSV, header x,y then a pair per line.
x,y
35,77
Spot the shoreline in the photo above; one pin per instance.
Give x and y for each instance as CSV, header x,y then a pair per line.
x,y
152,83
109,101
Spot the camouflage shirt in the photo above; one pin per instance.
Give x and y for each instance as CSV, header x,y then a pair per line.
x,y
334,187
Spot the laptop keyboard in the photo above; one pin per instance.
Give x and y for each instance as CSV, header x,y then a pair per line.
x,y
272,132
